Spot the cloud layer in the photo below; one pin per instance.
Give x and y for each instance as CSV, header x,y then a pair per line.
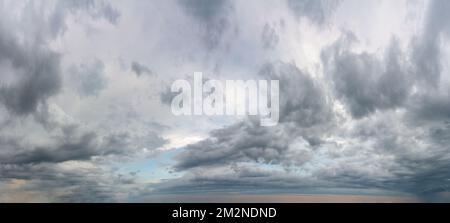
x,y
85,101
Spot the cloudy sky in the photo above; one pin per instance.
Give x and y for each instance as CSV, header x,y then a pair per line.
x,y
85,100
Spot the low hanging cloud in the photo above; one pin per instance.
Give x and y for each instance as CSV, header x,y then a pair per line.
x,y
36,68
45,153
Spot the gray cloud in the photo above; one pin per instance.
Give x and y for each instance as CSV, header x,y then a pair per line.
x,y
35,70
304,112
434,107
302,99
269,37
365,83
243,141
139,69
317,11
243,178
68,182
67,148
46,154
204,9
95,9
89,79
427,47
166,96
33,75
76,143
395,140
214,17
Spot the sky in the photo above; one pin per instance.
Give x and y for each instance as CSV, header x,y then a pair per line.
x,y
85,101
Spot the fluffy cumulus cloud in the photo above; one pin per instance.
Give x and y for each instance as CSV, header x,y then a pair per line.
x,y
85,99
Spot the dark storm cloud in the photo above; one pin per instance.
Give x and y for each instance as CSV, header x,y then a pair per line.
x,y
364,82
221,167
210,184
367,83
166,95
427,47
419,141
72,144
304,112
32,75
139,69
57,157
317,11
396,139
65,168
240,142
302,100
419,149
80,148
434,107
205,9
251,179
